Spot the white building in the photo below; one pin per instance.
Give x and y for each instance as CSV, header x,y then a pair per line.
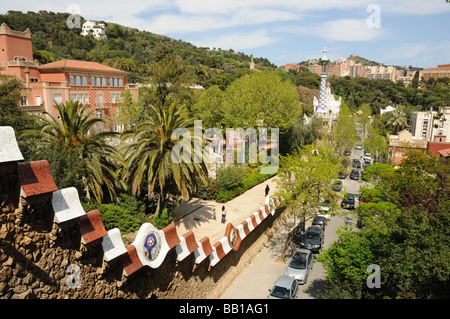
x,y
388,109
97,30
432,125
332,107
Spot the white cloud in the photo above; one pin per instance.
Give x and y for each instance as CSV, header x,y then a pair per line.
x,y
423,53
186,22
347,30
238,41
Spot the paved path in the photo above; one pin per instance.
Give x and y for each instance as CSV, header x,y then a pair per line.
x,y
197,214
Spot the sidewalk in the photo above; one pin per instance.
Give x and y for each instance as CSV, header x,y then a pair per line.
x,y
197,214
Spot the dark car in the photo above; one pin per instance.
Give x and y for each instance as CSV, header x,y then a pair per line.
x,y
356,163
347,152
342,175
297,238
313,239
319,221
337,187
348,201
366,163
354,174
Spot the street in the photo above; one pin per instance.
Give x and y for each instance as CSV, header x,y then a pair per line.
x,y
259,276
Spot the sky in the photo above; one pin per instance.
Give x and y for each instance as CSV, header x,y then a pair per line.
x,y
392,32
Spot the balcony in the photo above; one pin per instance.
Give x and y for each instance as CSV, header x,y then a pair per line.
x,y
21,63
32,108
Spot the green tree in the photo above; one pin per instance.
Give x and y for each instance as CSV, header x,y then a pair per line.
x,y
406,236
148,155
343,131
261,100
76,130
305,178
397,120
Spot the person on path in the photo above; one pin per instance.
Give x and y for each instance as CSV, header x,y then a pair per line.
x,y
224,214
214,213
267,190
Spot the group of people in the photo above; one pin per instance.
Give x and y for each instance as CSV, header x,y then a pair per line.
x,y
224,212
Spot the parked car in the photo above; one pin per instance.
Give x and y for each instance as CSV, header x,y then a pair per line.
x,y
356,163
367,156
342,175
284,288
313,239
337,187
366,163
300,265
354,174
358,146
347,152
348,201
297,237
320,221
345,163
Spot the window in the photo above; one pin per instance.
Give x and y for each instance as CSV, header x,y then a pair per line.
x,y
120,82
57,98
72,80
23,100
93,81
38,100
115,97
78,80
84,81
103,81
98,81
99,100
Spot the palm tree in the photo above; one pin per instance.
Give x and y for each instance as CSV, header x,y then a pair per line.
x,y
76,130
398,120
149,159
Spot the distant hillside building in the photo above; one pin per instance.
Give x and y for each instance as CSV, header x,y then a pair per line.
x,y
97,85
291,66
97,30
441,71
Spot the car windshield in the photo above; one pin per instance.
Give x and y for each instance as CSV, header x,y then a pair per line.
x,y
280,292
298,261
312,235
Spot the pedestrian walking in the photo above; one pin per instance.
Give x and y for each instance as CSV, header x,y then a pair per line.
x,y
224,214
214,213
267,190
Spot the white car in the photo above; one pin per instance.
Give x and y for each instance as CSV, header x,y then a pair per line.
x,y
300,265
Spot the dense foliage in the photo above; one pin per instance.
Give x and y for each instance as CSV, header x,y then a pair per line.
x,y
406,233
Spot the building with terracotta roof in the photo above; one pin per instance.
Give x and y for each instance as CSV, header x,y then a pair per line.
x,y
441,71
97,85
399,144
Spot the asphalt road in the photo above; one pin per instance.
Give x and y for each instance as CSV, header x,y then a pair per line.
x,y
259,276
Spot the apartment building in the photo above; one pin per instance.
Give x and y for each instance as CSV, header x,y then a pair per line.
x,y
434,126
97,85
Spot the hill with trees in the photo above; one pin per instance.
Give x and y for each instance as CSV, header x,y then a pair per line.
x,y
126,48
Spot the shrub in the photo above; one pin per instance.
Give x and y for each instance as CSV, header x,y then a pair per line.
x,y
247,183
163,219
230,177
127,214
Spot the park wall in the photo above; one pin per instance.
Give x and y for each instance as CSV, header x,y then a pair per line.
x,y
50,248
